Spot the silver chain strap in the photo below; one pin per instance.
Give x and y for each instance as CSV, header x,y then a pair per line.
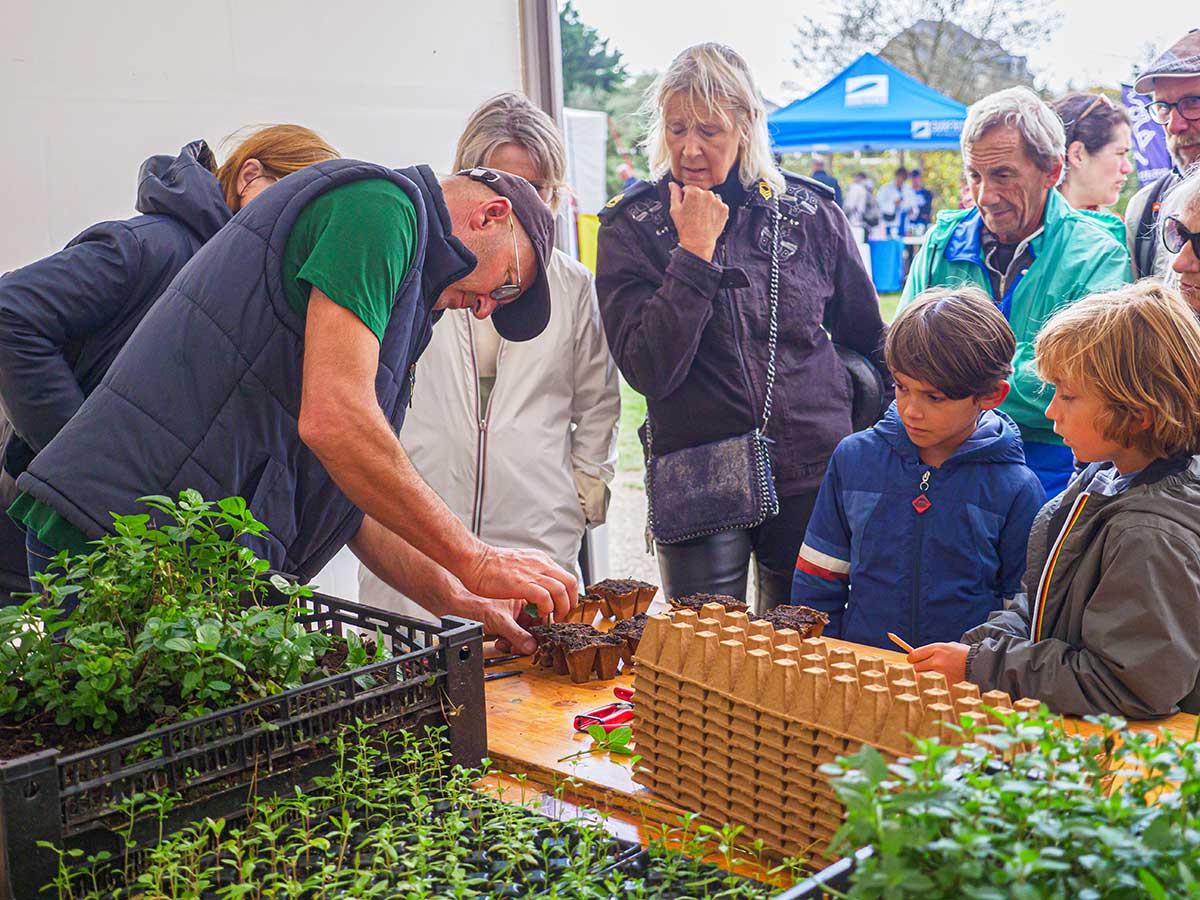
x,y
773,335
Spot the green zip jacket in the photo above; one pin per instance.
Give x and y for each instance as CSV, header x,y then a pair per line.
x,y
1073,256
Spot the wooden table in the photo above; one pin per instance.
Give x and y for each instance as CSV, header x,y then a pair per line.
x,y
529,720
529,729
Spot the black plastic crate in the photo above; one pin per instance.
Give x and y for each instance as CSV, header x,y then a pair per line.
x,y
216,762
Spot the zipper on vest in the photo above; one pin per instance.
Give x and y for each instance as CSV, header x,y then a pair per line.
x,y
480,436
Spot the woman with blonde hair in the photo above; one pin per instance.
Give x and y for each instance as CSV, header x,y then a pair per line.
x,y
518,438
723,283
63,319
1179,230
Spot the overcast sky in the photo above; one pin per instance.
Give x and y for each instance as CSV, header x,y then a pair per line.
x,y
1097,42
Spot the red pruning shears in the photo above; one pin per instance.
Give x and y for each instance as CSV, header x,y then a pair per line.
x,y
612,716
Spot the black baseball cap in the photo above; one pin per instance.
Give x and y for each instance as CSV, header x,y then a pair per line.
x,y
526,317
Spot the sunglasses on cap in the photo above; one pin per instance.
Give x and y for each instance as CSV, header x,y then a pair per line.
x,y
510,291
1175,235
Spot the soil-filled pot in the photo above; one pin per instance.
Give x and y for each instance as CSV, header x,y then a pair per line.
x,y
608,657
626,596
580,661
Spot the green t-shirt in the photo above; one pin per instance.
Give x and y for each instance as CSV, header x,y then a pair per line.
x,y
355,244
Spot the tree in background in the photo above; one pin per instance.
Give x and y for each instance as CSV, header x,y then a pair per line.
x,y
955,46
594,77
587,60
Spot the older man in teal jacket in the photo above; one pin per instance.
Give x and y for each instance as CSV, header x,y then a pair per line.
x,y
1023,244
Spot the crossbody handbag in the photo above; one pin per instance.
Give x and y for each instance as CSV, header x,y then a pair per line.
x,y
726,484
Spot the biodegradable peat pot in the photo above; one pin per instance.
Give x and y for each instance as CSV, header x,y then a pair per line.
x,y
608,658
626,596
587,609
579,662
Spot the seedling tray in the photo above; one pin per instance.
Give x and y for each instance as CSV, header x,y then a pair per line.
x,y
835,877
215,763
485,870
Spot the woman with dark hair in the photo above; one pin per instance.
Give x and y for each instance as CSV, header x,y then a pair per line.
x,y
1099,136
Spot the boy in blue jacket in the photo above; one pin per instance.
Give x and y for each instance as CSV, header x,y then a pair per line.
x,y
921,522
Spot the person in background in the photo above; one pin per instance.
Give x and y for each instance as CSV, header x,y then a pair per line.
x,y
1173,81
894,198
519,439
684,277
1179,224
819,174
1109,621
1024,246
1099,137
626,175
862,212
64,318
922,209
921,523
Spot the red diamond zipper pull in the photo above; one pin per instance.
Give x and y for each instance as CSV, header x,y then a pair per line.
x,y
922,503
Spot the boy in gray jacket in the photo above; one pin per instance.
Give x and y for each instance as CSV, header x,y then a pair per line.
x,y
1110,618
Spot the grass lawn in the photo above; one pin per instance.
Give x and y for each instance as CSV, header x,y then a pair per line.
x,y
633,405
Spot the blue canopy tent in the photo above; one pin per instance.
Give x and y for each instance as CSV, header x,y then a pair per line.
x,y
870,105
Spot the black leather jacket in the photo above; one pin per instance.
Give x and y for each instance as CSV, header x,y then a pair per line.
x,y
691,335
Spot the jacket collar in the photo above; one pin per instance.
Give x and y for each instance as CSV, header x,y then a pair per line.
x,y
996,439
965,241
447,259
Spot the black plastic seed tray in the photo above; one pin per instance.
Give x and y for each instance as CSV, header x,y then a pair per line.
x,y
216,762
835,876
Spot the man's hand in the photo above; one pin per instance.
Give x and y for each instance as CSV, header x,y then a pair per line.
x,y
504,620
528,575
699,217
949,659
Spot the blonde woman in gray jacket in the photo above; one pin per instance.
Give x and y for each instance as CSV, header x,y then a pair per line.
x,y
519,440
1110,618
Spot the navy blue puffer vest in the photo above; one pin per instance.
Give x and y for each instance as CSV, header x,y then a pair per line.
x,y
206,394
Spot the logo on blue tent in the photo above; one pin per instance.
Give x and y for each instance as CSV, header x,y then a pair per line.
x,y
928,129
867,90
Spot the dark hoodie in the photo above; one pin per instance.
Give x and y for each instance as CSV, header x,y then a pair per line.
x,y
877,558
64,318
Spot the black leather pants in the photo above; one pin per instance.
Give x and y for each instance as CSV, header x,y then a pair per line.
x,y
718,564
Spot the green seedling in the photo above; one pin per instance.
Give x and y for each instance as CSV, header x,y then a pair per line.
x,y
616,741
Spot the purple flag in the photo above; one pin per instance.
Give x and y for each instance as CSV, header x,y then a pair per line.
x,y
1149,139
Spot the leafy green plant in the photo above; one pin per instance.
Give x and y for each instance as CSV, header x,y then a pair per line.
x,y
396,818
172,620
1026,810
615,741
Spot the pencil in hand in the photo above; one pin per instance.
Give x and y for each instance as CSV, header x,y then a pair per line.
x,y
899,642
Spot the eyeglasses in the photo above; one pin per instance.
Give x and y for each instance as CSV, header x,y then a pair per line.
x,y
509,291
1175,235
1188,107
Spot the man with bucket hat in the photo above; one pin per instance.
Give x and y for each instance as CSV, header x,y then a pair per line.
x,y
279,364
1173,82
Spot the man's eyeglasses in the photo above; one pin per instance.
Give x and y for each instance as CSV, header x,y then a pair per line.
x,y
509,291
1175,235
1188,107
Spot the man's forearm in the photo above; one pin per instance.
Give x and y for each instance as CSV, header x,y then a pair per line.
x,y
403,567
370,466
